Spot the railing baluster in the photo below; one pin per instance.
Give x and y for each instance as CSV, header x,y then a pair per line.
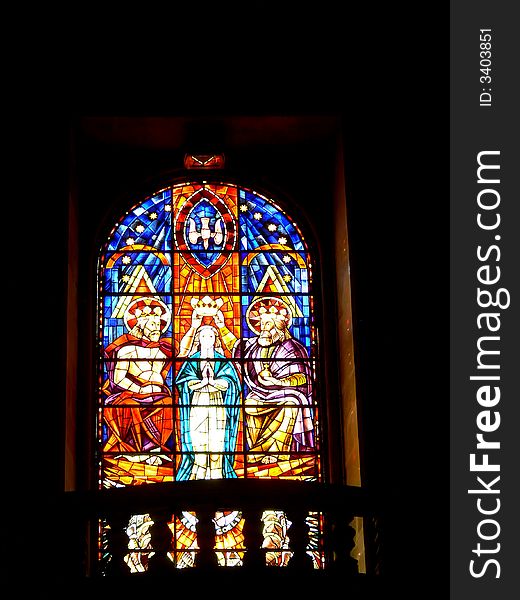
x,y
254,556
206,558
117,544
298,540
374,552
341,542
159,563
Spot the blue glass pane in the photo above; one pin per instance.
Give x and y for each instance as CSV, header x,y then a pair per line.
x,y
261,223
148,224
131,271
114,309
277,272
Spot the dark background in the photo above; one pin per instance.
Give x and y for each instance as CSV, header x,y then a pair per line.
x,y
384,69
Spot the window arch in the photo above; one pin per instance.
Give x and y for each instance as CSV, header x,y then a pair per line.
x,y
208,353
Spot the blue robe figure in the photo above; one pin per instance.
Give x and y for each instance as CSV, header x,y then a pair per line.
x,y
209,410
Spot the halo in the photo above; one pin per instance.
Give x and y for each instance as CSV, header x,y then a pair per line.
x,y
269,304
147,304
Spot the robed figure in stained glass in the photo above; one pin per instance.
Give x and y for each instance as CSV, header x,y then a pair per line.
x,y
138,409
209,397
278,407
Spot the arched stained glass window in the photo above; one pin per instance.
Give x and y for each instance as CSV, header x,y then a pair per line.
x,y
207,355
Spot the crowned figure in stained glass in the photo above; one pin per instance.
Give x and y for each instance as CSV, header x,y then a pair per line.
x,y
138,409
278,405
209,397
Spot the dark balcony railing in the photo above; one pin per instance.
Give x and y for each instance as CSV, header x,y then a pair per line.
x,y
337,506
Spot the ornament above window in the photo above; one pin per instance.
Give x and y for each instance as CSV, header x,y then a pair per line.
x,y
204,161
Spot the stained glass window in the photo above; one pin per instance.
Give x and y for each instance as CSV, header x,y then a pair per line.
x,y
207,356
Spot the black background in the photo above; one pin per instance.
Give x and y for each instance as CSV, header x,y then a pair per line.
x,y
385,68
